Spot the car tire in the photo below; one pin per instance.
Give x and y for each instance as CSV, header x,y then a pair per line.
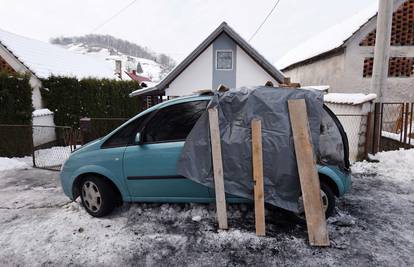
x,y
328,202
98,196
330,198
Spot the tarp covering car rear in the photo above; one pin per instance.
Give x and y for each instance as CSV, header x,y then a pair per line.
x,y
236,109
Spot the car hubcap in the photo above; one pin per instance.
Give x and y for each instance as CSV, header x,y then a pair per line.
x,y
91,196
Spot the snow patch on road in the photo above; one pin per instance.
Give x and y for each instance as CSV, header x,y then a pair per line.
x,y
13,164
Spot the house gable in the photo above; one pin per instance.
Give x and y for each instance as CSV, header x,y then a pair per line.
x,y
248,72
223,38
196,76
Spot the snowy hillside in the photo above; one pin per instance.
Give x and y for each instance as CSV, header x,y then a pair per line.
x,y
151,69
152,65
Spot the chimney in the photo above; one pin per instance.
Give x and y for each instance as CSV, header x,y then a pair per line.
x,y
134,72
118,68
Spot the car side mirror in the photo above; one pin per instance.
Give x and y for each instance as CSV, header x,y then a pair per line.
x,y
138,138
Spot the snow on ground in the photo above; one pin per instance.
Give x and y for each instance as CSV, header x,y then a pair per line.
x,y
12,163
52,157
395,166
398,137
374,226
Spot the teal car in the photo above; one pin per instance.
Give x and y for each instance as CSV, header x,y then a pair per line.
x,y
137,162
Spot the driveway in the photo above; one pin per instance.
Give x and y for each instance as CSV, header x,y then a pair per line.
x,y
374,226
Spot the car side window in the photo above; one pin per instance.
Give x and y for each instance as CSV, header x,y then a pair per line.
x,y
126,135
175,122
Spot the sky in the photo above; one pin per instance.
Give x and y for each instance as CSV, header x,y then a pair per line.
x,y
176,27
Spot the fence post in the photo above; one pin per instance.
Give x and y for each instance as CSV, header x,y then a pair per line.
x,y
367,135
376,130
411,125
32,144
405,122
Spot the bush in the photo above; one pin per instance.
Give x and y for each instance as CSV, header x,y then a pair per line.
x,y
71,99
15,99
15,108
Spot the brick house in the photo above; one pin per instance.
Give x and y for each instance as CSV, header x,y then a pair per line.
x,y
342,56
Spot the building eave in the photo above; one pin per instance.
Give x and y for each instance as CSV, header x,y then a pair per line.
x,y
333,52
144,91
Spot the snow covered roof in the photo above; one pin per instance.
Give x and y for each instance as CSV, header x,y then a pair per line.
x,y
136,77
41,112
328,40
353,99
44,59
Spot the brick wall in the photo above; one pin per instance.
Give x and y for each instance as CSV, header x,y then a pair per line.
x,y
402,27
398,67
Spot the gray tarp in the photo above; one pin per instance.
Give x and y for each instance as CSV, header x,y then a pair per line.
x,y
236,109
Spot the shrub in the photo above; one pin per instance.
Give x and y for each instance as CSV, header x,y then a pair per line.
x,y
71,99
15,99
15,108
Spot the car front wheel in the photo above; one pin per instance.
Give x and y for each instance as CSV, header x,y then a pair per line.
x,y
98,196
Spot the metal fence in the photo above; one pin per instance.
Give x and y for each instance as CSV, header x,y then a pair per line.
x,y
48,146
393,126
355,126
52,145
390,127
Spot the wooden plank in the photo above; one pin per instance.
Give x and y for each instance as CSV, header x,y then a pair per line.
x,y
217,168
308,174
257,155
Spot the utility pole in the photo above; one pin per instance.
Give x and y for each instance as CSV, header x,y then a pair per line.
x,y
382,48
380,68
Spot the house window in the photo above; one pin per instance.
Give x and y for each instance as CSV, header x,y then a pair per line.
x,y
224,60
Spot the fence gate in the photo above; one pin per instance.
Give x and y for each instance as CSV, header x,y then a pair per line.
x,y
393,126
52,145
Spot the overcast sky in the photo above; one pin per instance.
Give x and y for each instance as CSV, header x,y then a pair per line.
x,y
176,27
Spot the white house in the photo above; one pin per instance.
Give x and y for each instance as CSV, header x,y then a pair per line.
x,y
224,57
342,56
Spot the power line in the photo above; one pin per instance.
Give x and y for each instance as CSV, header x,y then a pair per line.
x,y
113,16
268,15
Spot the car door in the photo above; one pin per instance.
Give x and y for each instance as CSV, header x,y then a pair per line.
x,y
150,167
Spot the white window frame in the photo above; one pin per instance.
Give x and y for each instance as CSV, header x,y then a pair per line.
x,y
232,59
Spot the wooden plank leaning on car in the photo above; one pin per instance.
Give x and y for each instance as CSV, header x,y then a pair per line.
x,y
308,174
